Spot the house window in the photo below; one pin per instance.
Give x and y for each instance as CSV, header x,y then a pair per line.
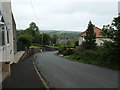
x,y
2,36
7,35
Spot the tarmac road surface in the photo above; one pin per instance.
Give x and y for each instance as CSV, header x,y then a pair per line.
x,y
63,73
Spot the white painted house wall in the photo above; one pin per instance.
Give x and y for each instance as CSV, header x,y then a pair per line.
x,y
99,41
80,40
7,51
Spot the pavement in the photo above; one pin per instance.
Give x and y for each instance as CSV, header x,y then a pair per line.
x,y
23,75
64,73
18,55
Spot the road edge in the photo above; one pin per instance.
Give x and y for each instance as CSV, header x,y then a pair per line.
x,y
39,74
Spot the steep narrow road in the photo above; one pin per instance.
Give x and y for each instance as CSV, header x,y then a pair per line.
x,y
63,73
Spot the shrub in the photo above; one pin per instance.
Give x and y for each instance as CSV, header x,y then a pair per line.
x,y
62,49
78,50
69,51
26,39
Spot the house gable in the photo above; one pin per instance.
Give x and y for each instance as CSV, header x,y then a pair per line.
x,y
99,38
96,31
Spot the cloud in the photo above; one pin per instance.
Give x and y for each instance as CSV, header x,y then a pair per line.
x,y
63,15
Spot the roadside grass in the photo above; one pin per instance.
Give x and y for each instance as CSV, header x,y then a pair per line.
x,y
34,47
56,54
52,46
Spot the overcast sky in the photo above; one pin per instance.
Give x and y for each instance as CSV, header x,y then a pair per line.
x,y
72,15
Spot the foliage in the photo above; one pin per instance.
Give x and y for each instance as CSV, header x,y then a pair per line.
x,y
108,31
53,39
69,51
76,43
34,32
46,39
52,46
106,55
26,39
90,37
34,47
62,49
65,50
115,29
103,56
38,40
63,34
116,23
69,43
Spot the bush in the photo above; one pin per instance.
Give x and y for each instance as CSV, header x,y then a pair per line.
x,y
26,39
111,52
78,50
69,51
62,49
103,56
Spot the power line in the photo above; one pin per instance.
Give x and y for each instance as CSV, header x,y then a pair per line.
x,y
34,12
36,18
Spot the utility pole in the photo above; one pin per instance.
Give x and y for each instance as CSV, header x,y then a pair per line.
x,y
42,39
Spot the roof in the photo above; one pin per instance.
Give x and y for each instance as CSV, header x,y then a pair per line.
x,y
96,30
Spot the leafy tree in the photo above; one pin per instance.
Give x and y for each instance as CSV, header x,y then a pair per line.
x,y
108,31
45,39
90,37
76,43
20,32
115,32
53,39
33,30
116,23
68,43
26,39
38,40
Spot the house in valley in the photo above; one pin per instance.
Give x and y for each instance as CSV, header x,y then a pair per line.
x,y
99,38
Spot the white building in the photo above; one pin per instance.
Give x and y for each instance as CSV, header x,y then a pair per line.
x,y
7,36
99,38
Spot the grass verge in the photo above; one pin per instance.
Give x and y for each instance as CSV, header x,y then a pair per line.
x,y
106,64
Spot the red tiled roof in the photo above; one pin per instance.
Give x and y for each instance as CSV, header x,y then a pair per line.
x,y
96,30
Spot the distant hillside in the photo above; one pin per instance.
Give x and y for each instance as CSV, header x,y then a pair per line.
x,y
63,34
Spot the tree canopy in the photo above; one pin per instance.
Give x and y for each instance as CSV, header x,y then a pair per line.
x,y
33,35
90,37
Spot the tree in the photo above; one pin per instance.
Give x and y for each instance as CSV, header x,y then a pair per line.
x,y
53,39
26,40
116,23
108,31
90,37
115,45
33,30
76,43
45,39
38,40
